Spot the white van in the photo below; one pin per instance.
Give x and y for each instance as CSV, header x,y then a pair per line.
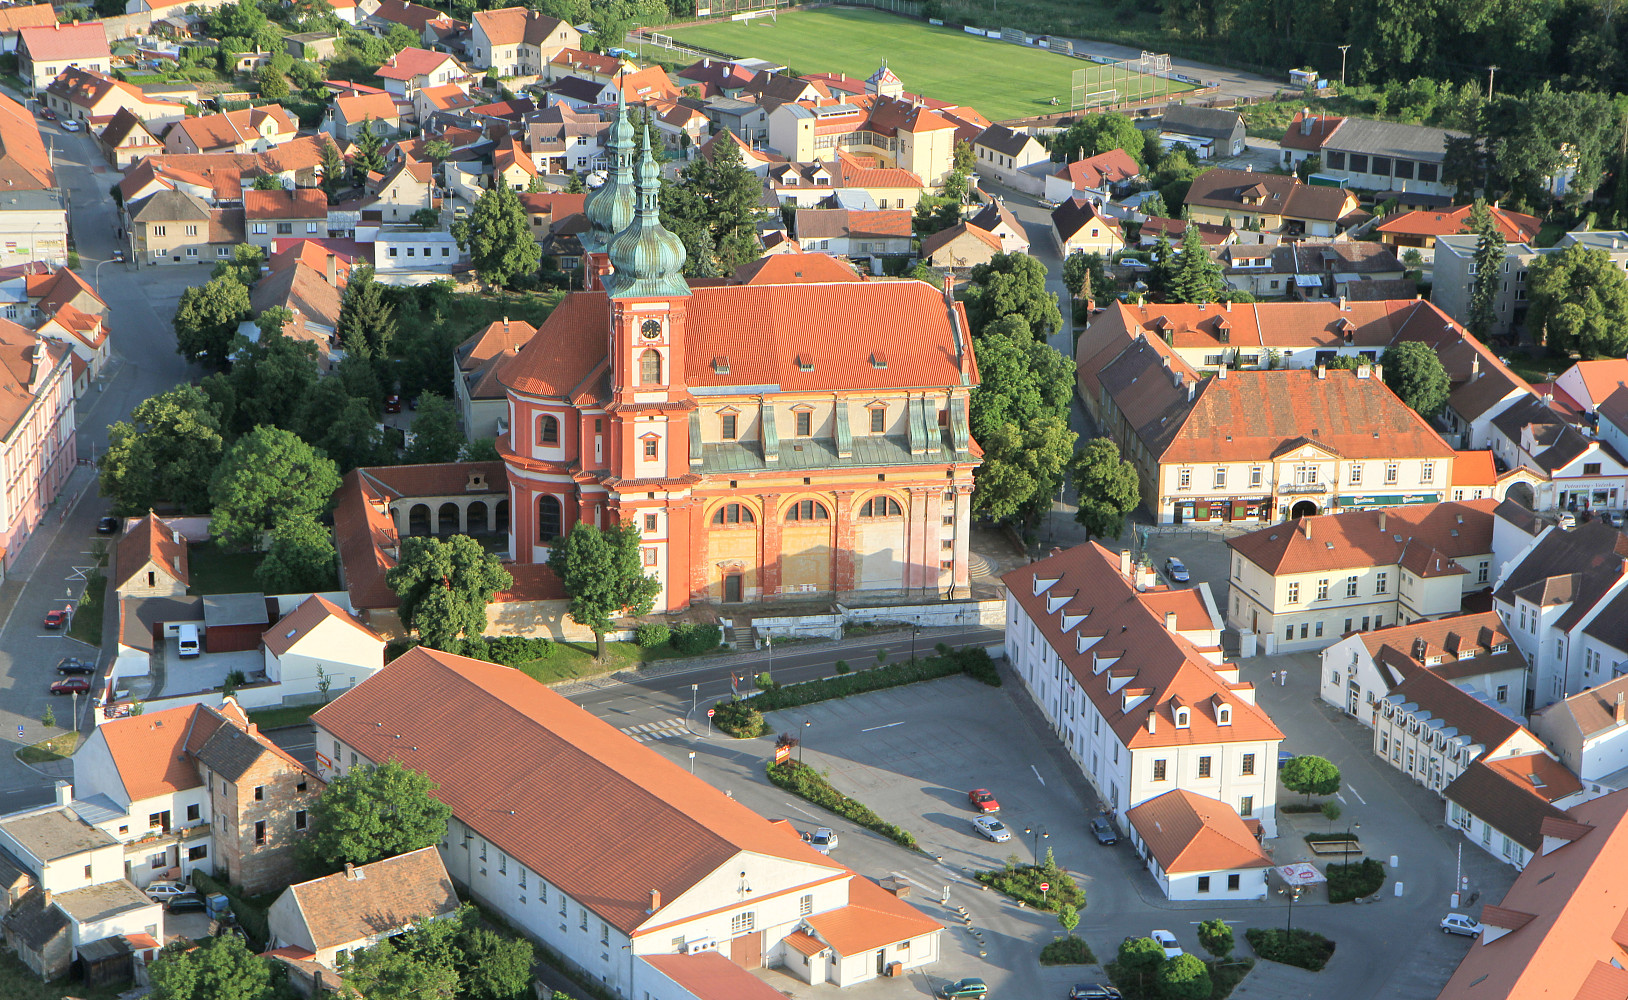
x,y
187,638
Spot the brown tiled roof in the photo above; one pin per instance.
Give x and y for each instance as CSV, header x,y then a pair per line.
x,y
1587,560
1594,711
639,822
1077,213
514,25
873,919
24,163
65,41
296,203
1440,698
439,479
411,62
1187,832
311,612
1514,794
1516,228
500,337
943,237
1003,140
364,530
1363,538
1113,167
1222,188
1300,136
148,540
412,15
39,15
832,223
1092,600
376,899
795,268
1462,645
120,127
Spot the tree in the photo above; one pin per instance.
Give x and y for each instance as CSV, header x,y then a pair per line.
x,y
243,265
243,20
604,576
305,74
367,156
373,812
1077,273
436,437
1184,977
367,323
1095,134
1023,468
1068,918
721,198
438,149
495,967
206,320
1310,775
574,185
1415,373
168,451
1140,955
220,968
1216,936
445,586
1489,256
1195,276
1012,284
267,182
267,477
271,377
1022,401
273,85
333,167
498,238
388,971
1331,811
401,37
300,559
428,218
1108,489
1152,204
1163,273
1579,303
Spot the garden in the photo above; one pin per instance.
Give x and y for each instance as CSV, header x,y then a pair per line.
x,y
1023,882
798,778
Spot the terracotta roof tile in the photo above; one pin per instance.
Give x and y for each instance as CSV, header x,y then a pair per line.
x,y
39,15
149,751
1187,832
65,41
294,627
873,919
795,268
1273,194
379,107
1503,792
1517,228
412,62
374,899
712,976
944,237
24,163
1113,167
1301,135
514,25
296,203
365,530
1365,538
149,540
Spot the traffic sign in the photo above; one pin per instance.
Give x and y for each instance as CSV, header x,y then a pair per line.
x,y
709,712
1045,887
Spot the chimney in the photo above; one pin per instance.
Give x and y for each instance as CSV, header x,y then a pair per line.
x,y
1249,168
1305,527
350,872
64,792
1229,305
1221,373
1379,371
1170,621
48,896
1322,371
1153,722
949,289
1475,366
333,271
1345,304
1306,121
1621,713
1192,391
655,900
1382,520
1125,562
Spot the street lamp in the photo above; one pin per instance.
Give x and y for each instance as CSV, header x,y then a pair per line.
x,y
1350,831
692,761
915,630
1342,49
806,724
1039,834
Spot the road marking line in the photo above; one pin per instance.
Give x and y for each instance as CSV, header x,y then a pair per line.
x,y
875,728
1037,776
907,878
805,812
1353,791
1341,797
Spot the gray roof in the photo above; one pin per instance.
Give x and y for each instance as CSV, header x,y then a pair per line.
x,y
96,809
98,902
230,752
1003,140
172,206
1211,123
577,89
1414,142
140,614
11,870
35,923
235,609
54,833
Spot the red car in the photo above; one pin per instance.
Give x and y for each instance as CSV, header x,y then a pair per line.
x,y
56,619
48,114
392,403
983,800
73,685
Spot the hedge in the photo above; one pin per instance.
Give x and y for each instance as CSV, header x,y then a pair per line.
x,y
972,662
690,638
1352,881
1067,951
800,779
1300,948
1022,882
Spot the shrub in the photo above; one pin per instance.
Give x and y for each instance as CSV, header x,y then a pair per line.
x,y
1139,955
49,718
691,638
800,779
250,917
842,666
974,662
739,719
1300,948
652,635
509,650
1022,882
1351,881
1184,977
764,682
1067,951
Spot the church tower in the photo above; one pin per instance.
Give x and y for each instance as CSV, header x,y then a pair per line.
x,y
609,208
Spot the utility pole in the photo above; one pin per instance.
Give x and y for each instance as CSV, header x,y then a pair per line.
x,y
1343,49
1490,70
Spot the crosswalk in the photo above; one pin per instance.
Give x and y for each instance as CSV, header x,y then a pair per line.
x,y
663,730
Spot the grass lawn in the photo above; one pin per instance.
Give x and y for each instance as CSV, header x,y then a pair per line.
x,y
216,571
87,617
276,718
1537,365
1001,80
45,751
17,982
1549,233
571,660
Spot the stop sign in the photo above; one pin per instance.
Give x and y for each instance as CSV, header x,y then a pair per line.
x,y
1045,886
709,713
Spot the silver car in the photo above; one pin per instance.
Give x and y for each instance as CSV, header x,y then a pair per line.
x,y
164,891
823,840
992,829
1458,923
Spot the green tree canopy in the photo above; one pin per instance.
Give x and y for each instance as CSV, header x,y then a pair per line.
x,y
1489,258
367,156
1108,489
218,968
1194,275
718,197
436,437
1098,133
1140,955
604,576
1579,303
333,167
206,320
1216,936
1310,775
498,238
1415,373
1012,285
1021,404
273,85
445,586
342,426
167,451
1023,468
300,559
268,476
495,967
367,322
373,812
1184,977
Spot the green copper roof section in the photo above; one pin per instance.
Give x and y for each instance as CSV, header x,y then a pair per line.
x,y
648,260
610,207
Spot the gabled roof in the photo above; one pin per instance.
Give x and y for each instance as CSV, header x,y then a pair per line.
x,y
1363,538
1454,647
1309,131
233,128
1589,558
86,88
375,899
961,230
1414,142
412,62
358,108
1187,832
123,124
1246,191
517,25
285,203
1075,214
1209,123
640,822
412,15
1456,710
150,540
1113,167
65,41
873,919
231,751
1593,712
149,751
795,268
709,974
1517,228
1005,141
1515,794
995,214
39,15
24,163
833,223
312,612
499,338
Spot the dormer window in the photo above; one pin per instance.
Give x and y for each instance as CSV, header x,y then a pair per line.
x,y
805,362
1184,718
720,365
1223,715
878,359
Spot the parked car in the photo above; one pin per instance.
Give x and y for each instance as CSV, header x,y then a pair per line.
x,y
1611,517
109,525
392,403
48,114
823,840
1567,520
1175,570
1284,756
971,988
56,619
1104,831
73,685
118,256
1458,923
992,829
186,902
983,800
163,891
1167,941
1093,991
1131,264
69,125
72,666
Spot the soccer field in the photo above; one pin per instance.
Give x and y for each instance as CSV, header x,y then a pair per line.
x,y
999,79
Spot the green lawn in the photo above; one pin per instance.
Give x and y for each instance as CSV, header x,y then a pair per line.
x,y
999,79
216,571
572,660
17,982
45,751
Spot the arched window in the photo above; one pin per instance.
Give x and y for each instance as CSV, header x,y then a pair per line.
x,y
1223,715
733,513
807,510
1183,717
650,367
549,431
548,518
881,507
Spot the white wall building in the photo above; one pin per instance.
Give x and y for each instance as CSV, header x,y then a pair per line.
x,y
1472,651
1589,733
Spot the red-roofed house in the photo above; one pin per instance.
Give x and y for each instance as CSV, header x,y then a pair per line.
x,y
1503,802
334,917
843,232
515,41
42,53
380,112
127,139
1199,848
1420,228
14,19
1472,651
83,94
411,70
1305,136
320,638
1145,703
284,213
249,130
37,441
896,132
1102,176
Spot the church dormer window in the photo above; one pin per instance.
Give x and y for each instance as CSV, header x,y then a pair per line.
x,y
650,367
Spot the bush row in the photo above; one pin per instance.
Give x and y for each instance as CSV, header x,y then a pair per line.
x,y
973,662
800,779
691,638
1067,951
509,650
1022,882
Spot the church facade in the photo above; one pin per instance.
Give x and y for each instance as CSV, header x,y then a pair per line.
x,y
803,432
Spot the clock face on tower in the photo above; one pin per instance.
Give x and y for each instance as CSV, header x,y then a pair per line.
x,y
651,329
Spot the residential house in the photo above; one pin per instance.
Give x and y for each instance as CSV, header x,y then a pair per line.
x,y
250,130
83,94
1198,848
845,233
1211,235
847,180
1472,651
1388,156
1561,600
716,77
641,85
1105,176
349,115
38,445
1587,384
1011,158
448,100
997,219
1502,804
1453,275
597,66
515,41
284,213
1130,677
894,131
746,121
1305,136
1422,228
1555,930
408,255
1079,226
219,178
960,248
414,17
43,52
1589,731
404,189
313,297
127,139
413,69
177,227
1563,467
1307,270
316,46
334,917
34,216
14,19
151,560
70,312
317,641
1303,585
482,403
681,125
1272,202
612,892
545,210
1212,132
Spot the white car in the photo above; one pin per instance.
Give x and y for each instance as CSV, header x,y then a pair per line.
x,y
1167,941
163,892
69,125
1458,923
823,840
992,829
